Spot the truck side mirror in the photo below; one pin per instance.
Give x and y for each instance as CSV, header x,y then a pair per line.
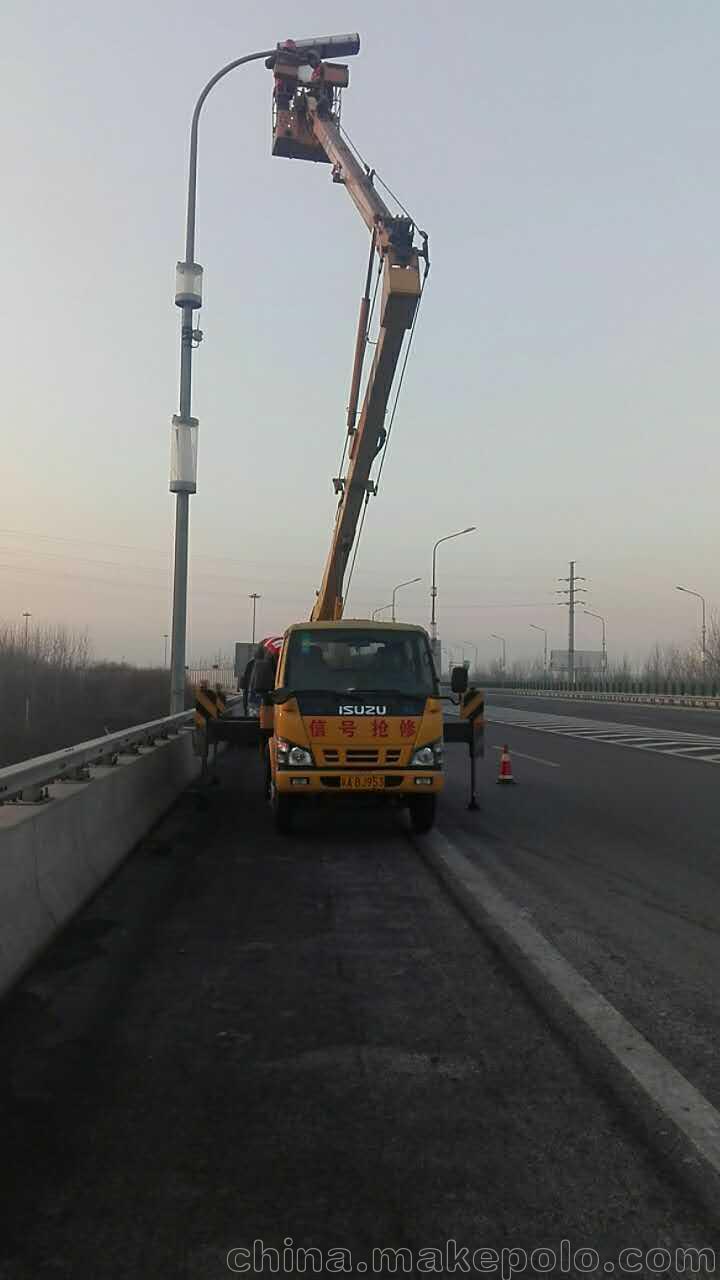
x,y
459,679
263,676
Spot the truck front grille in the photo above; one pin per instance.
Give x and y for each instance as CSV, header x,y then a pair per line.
x,y
357,757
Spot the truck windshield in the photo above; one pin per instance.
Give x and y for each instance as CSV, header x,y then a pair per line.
x,y
347,661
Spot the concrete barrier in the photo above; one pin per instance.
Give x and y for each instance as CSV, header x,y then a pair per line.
x,y
55,855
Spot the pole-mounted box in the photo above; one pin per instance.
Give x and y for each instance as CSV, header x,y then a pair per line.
x,y
183,455
188,284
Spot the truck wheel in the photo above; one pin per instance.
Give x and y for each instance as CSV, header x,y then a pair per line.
x,y
281,808
422,813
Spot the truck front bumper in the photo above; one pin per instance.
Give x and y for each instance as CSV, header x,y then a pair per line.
x,y
402,782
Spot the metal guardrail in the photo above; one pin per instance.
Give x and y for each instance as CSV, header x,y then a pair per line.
x,y
594,695
28,780
224,676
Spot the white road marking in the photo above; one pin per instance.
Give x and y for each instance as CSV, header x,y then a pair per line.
x,y
687,746
678,1119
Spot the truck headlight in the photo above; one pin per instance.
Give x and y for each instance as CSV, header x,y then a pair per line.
x,y
429,757
298,757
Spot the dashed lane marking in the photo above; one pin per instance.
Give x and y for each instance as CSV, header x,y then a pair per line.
x,y
687,746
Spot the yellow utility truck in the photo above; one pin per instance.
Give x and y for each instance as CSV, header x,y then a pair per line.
x,y
355,710
352,707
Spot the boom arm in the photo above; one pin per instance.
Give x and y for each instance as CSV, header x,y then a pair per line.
x,y
306,128
392,239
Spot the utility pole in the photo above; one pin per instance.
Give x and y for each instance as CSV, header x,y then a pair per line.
x,y
572,592
254,597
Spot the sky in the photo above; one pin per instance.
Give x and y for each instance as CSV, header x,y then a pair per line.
x,y
562,391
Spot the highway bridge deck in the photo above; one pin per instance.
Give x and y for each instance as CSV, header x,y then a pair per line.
x,y
246,1038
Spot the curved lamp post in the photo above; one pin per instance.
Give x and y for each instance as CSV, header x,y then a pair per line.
x,y
600,618
471,645
535,627
688,592
188,296
433,591
397,588
502,640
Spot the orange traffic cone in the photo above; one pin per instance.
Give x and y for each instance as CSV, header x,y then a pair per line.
x,y
506,774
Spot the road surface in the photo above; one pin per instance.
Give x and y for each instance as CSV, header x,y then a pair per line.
x,y
610,841
249,1039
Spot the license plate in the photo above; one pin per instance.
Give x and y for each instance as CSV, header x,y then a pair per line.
x,y
362,781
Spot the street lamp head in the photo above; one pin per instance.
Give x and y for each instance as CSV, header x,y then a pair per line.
x,y
689,592
345,46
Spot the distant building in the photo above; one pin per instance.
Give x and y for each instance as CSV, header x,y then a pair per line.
x,y
586,662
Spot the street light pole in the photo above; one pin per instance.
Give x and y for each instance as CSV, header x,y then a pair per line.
x,y
433,592
188,296
183,478
470,645
254,597
397,588
704,632
502,639
604,644
27,616
165,638
535,627
382,609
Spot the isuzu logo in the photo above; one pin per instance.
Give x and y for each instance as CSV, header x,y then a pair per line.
x,y
347,709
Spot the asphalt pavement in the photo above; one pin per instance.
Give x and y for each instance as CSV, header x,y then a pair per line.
x,y
247,1039
677,718
611,843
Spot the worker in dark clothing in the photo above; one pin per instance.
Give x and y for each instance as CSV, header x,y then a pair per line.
x,y
245,684
284,89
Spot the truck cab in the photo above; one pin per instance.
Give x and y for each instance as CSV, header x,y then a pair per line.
x,y
354,711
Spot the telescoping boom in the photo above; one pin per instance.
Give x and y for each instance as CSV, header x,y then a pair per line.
x,y
306,127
